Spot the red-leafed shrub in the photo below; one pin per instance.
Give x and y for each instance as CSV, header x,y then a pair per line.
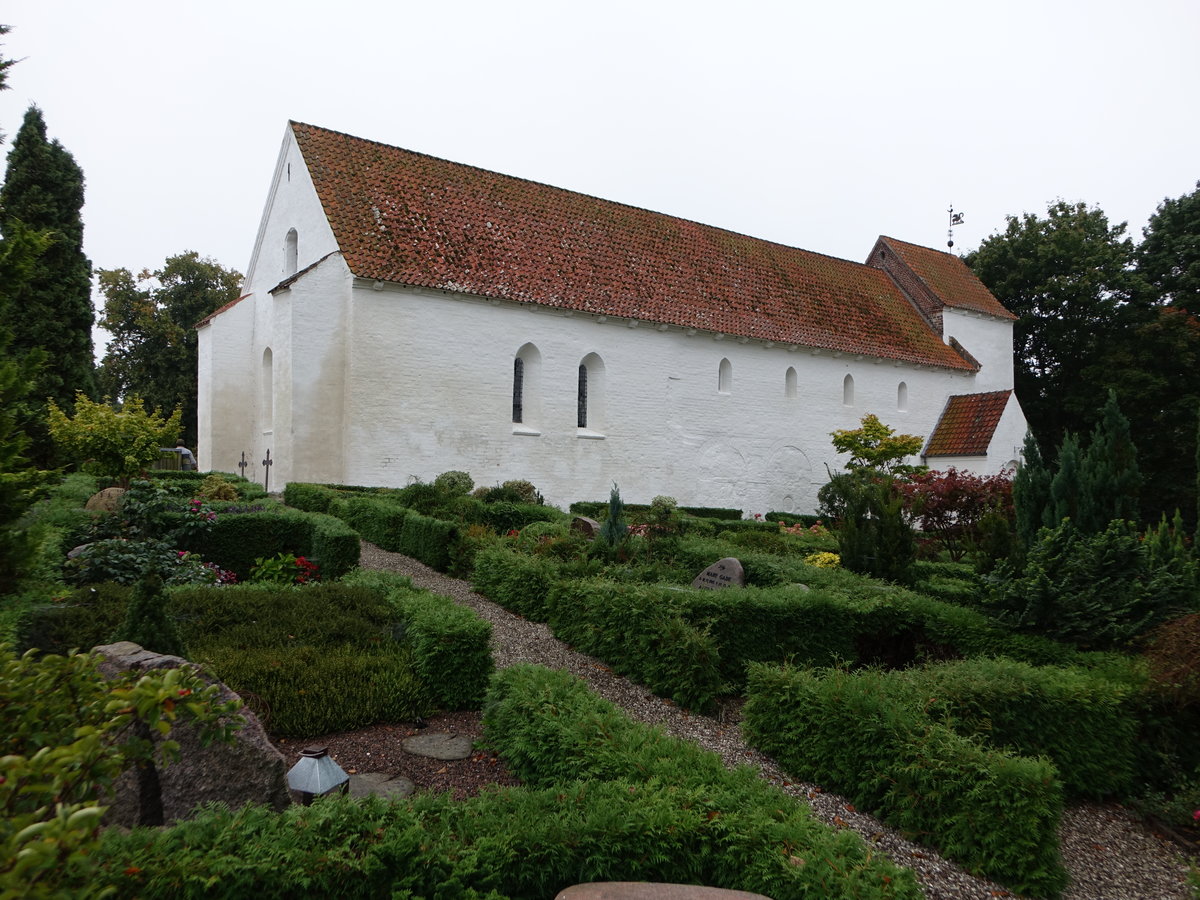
x,y
950,507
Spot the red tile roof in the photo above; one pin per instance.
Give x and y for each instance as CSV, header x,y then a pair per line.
x,y
412,219
949,278
967,424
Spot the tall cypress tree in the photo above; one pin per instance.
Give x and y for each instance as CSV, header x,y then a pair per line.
x,y
1109,479
1064,489
1031,492
50,313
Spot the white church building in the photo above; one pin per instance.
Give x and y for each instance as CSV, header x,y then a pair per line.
x,y
403,316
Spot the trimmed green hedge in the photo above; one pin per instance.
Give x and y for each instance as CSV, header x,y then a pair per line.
x,y
866,735
237,539
451,645
598,509
518,582
550,729
1084,722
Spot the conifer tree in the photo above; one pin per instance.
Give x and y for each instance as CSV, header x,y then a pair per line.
x,y
1064,488
50,311
1109,479
1031,492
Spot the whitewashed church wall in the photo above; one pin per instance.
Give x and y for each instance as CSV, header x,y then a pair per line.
x,y
986,338
291,204
225,402
431,390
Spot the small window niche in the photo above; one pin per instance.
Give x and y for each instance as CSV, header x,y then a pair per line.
x,y
725,377
590,399
291,254
790,383
902,397
848,391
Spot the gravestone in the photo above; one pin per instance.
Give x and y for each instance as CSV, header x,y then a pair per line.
x,y
724,573
589,528
250,770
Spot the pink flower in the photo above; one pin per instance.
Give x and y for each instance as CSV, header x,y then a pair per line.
x,y
1196,816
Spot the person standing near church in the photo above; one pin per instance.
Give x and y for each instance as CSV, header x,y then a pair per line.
x,y
187,462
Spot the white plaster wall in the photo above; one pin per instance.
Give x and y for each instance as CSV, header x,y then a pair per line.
x,y
291,203
225,399
431,390
986,338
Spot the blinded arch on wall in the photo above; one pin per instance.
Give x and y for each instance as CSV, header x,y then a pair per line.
x,y
902,397
789,382
848,391
267,392
725,377
291,253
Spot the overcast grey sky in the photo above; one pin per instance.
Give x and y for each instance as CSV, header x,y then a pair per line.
x,y
819,125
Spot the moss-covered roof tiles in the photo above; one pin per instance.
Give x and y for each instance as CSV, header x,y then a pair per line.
x,y
412,219
967,424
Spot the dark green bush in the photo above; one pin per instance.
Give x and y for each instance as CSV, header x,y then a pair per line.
x,y
235,540
450,643
517,582
309,497
1098,591
147,622
516,843
1085,723
305,691
376,519
551,729
428,540
866,735
80,621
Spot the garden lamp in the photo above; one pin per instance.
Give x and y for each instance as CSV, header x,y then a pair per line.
x,y
316,773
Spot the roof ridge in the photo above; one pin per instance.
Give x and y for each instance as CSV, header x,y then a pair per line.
x,y
596,197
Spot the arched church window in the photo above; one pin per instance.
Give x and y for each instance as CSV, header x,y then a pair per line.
x,y
848,391
526,387
725,377
518,411
590,394
789,382
902,397
291,253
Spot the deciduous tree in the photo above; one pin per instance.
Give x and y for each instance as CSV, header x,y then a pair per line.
x,y
152,319
1069,279
874,445
1169,256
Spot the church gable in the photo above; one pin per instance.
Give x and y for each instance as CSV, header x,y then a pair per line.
x,y
409,219
934,279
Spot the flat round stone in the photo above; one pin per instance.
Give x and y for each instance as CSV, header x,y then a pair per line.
x,y
439,746
381,785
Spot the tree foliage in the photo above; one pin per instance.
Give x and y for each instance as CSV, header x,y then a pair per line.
x,y
1031,493
152,318
115,443
874,445
1069,279
952,506
50,316
68,733
1169,256
1109,479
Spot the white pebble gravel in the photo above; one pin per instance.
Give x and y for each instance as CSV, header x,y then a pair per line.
x,y
1109,854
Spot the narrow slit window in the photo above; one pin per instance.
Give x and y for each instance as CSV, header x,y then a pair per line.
x,y
518,409
789,382
902,397
848,391
582,416
725,377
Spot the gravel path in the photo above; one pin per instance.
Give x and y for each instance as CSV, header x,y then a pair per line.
x,y
1109,854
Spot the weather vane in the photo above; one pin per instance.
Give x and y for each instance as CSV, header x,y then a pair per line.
x,y
956,218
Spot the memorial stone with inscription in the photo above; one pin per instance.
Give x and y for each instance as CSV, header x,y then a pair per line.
x,y
724,573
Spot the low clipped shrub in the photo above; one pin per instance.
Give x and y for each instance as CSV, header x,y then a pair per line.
x,y
454,483
518,582
305,690
235,541
83,619
551,730
450,644
867,736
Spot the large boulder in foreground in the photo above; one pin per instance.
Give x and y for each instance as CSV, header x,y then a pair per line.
x,y
250,770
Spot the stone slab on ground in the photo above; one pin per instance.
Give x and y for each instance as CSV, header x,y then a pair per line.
x,y
439,746
380,784
645,890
